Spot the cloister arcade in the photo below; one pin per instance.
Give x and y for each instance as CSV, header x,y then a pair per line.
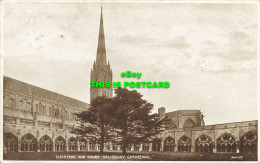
x,y
225,143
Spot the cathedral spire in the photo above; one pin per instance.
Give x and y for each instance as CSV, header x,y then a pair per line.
x,y
101,49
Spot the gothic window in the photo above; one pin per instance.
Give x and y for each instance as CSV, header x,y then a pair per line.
x,y
129,147
20,105
40,108
184,144
114,146
43,109
92,144
72,144
12,103
45,144
248,143
28,106
10,142
59,144
156,145
36,108
6,101
82,144
169,144
189,123
25,104
28,143
50,111
204,144
145,147
226,143
136,147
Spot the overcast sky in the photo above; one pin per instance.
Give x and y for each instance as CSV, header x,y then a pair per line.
x,y
208,52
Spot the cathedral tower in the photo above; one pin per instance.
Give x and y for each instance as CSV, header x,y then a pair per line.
x,y
101,71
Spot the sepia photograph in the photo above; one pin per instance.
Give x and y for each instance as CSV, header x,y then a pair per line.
x,y
129,81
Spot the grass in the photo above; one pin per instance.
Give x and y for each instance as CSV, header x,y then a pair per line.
x,y
144,156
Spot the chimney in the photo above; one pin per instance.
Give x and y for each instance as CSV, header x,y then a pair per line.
x,y
161,112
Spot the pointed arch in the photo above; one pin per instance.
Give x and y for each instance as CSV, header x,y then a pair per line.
x,y
184,144
226,143
60,144
169,144
204,144
189,123
10,142
82,144
72,144
28,143
248,142
45,143
156,145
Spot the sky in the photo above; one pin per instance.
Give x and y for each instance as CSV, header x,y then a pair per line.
x,y
208,52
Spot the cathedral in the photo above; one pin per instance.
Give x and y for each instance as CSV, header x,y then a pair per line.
x,y
38,120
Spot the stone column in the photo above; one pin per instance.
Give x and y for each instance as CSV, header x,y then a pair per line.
x,y
78,145
88,148
19,142
162,146
141,147
192,147
150,147
215,147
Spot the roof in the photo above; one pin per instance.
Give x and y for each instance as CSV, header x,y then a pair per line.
x,y
28,89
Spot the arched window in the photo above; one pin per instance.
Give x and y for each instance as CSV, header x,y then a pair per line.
x,y
114,145
129,147
189,123
45,144
82,144
169,144
28,143
226,143
12,103
60,144
136,147
156,145
72,144
184,144
25,104
248,143
92,144
145,146
36,108
29,107
10,142
204,144
40,108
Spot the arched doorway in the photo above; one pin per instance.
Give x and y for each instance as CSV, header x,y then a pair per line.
x,y
45,144
72,144
156,145
169,144
10,142
226,143
59,144
248,143
28,143
204,144
184,144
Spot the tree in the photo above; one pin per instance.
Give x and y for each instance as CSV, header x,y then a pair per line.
x,y
133,120
95,121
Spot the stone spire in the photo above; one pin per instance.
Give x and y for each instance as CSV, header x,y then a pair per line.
x,y
101,71
101,49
